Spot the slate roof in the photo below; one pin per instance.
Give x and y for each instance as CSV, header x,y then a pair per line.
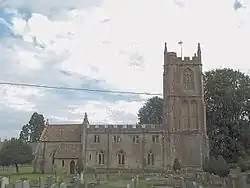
x,y
61,133
68,151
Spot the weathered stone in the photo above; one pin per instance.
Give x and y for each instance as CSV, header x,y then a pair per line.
x,y
153,147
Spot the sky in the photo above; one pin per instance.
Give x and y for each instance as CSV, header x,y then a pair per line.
x,y
107,45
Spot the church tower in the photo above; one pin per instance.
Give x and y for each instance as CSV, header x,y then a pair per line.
x,y
184,109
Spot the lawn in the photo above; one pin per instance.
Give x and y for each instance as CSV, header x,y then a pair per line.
x,y
25,171
116,181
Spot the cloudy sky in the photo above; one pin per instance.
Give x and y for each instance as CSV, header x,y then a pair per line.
x,y
106,44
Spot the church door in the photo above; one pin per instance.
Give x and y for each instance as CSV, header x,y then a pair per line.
x,y
72,167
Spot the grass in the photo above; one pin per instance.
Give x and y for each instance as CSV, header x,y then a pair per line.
x,y
25,171
116,181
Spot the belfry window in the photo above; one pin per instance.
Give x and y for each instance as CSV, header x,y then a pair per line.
x,y
188,79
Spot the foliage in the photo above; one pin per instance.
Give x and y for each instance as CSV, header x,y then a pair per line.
x,y
15,152
205,165
151,112
227,94
223,168
216,166
79,166
242,164
176,165
33,130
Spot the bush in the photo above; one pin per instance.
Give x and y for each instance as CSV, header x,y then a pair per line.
x,y
222,169
176,165
212,165
205,165
216,166
242,164
233,165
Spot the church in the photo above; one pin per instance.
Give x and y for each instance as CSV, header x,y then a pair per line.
x,y
151,147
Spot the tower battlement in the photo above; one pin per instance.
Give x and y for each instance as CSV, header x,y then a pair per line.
x,y
173,58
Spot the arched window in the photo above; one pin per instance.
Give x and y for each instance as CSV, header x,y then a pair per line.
x,y
121,158
188,79
150,159
184,115
100,157
194,114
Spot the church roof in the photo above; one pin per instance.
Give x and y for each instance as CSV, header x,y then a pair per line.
x,y
61,133
68,151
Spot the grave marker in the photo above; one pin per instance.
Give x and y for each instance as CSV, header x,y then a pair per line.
x,y
26,184
5,181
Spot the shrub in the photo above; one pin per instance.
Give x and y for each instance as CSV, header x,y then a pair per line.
x,y
176,165
205,165
222,169
242,164
233,165
212,165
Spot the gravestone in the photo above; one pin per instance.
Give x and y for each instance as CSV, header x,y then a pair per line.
x,y
248,179
49,181
5,181
183,184
26,184
82,178
19,184
63,185
41,182
128,185
54,185
11,185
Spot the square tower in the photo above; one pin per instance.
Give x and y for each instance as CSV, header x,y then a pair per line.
x,y
184,109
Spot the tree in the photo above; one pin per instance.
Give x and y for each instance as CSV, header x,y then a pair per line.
x,y
33,130
227,94
151,112
15,152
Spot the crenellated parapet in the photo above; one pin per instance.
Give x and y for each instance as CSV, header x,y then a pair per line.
x,y
126,128
172,58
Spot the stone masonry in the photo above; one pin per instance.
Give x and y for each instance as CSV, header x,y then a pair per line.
x,y
137,147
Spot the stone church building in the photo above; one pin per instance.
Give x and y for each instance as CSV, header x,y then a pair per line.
x,y
137,147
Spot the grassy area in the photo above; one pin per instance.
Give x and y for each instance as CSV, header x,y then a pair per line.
x,y
25,171
115,181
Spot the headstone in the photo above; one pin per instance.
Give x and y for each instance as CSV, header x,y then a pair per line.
x,y
11,185
26,184
82,179
183,184
4,182
63,185
19,184
41,182
170,179
54,185
49,181
128,185
248,179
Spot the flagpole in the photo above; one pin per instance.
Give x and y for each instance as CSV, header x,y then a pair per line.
x,y
180,43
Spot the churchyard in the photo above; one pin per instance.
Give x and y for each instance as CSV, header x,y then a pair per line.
x,y
183,179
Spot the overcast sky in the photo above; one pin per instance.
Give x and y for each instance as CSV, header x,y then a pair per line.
x,y
106,44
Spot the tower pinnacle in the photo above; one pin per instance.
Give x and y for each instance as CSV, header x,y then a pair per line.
x,y
165,48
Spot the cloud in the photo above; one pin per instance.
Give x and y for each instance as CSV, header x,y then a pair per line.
x,y
111,45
